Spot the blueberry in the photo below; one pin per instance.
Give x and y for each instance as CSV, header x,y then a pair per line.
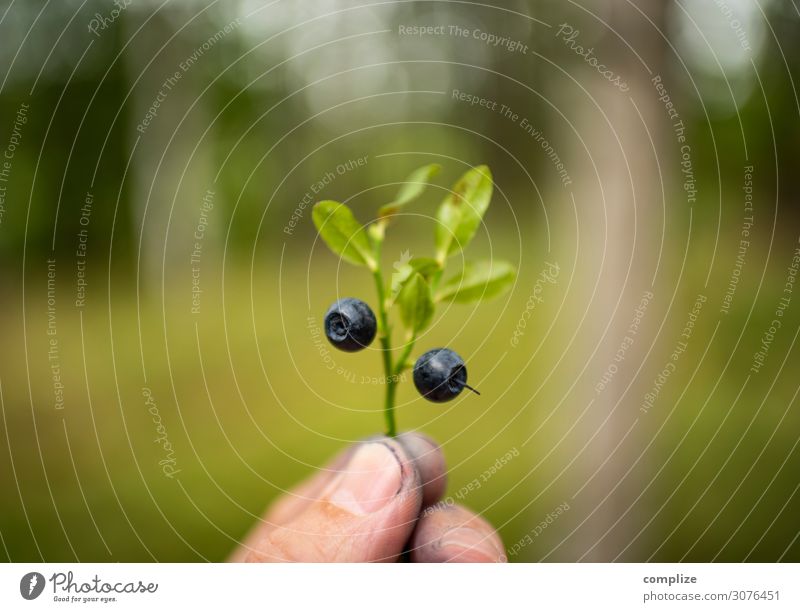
x,y
440,375
350,325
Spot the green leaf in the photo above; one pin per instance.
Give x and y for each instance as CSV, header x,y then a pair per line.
x,y
413,187
462,210
343,233
425,266
477,281
416,304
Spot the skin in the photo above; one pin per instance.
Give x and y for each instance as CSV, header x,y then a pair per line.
x,y
374,501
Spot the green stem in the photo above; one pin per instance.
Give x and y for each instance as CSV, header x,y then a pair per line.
x,y
437,276
401,363
388,411
386,350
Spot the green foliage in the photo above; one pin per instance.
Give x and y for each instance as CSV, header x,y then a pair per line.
x,y
414,283
477,281
412,188
425,266
416,304
343,233
462,210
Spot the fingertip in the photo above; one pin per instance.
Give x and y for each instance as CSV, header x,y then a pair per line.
x,y
453,534
372,479
429,460
363,507
366,513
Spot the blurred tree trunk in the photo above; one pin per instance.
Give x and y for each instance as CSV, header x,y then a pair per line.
x,y
626,202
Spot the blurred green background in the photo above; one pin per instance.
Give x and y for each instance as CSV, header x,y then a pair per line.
x,y
189,122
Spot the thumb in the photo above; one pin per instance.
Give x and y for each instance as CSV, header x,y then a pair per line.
x,y
366,513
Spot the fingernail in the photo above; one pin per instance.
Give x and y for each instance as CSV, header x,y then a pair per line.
x,y
371,480
470,545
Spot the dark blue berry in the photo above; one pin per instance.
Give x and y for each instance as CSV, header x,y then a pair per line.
x,y
440,375
350,324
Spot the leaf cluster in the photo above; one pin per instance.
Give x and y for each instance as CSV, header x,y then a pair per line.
x,y
417,285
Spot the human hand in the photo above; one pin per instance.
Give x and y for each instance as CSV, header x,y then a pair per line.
x,y
374,501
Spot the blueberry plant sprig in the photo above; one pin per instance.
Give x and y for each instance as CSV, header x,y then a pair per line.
x,y
350,324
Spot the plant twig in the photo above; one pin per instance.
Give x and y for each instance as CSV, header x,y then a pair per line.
x,y
386,350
